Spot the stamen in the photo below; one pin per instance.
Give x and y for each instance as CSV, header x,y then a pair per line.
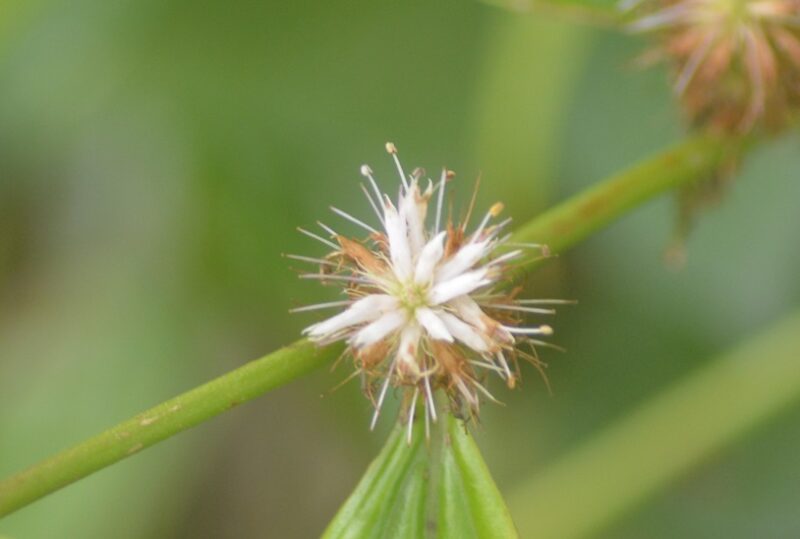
x,y
411,415
320,306
504,364
541,330
392,150
353,220
540,366
345,278
440,202
429,397
533,310
487,366
467,394
544,344
500,226
485,391
471,204
343,382
545,302
372,203
503,258
494,211
318,238
327,229
381,396
312,260
367,173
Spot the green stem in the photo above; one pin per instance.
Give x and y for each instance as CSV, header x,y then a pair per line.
x,y
570,222
162,421
560,228
662,439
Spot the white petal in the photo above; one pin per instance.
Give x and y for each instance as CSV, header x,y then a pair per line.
x,y
433,324
380,328
463,260
399,250
458,286
464,332
430,255
412,209
467,309
364,310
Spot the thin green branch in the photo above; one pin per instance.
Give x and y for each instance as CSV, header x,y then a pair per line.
x,y
663,439
560,228
573,220
162,421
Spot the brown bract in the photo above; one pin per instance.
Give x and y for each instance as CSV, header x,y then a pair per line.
x,y
361,257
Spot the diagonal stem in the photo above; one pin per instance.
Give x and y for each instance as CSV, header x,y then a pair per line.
x,y
167,419
560,228
578,217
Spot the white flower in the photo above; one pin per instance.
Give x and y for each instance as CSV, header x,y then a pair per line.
x,y
426,307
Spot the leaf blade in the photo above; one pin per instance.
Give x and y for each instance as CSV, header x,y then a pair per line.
x,y
490,515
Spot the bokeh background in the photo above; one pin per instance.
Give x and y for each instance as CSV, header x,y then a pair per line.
x,y
156,157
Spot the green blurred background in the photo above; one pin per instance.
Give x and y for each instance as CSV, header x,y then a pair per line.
x,y
156,157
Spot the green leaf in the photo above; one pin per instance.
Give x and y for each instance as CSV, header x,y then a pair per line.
x,y
441,488
487,510
390,497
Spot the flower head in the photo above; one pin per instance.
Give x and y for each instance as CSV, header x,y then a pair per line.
x,y
737,62
425,306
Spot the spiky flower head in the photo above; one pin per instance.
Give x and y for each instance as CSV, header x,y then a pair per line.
x,y
736,62
426,305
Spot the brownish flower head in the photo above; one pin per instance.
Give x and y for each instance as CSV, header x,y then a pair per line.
x,y
425,303
737,62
